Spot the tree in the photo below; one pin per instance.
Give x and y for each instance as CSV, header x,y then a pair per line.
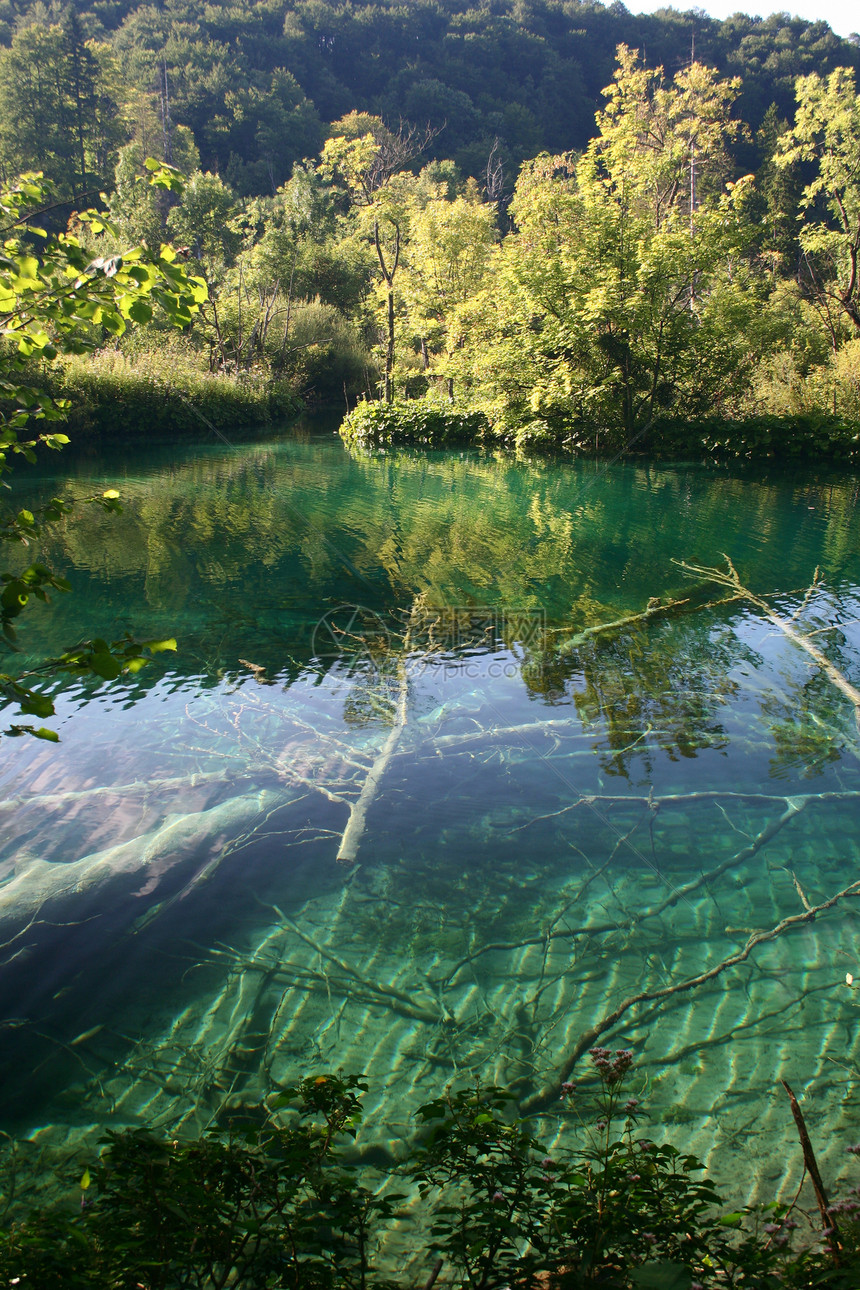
x,y
201,220
601,305
778,189
827,133
58,108
371,161
64,300
451,241
273,127
137,208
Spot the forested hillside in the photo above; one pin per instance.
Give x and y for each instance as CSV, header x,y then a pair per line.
x,y
550,218
256,81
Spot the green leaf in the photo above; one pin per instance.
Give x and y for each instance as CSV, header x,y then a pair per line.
x,y
140,312
160,647
34,704
105,666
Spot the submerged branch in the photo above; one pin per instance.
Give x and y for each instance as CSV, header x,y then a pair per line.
x,y
546,1096
793,806
354,830
386,992
729,577
149,786
654,609
828,1219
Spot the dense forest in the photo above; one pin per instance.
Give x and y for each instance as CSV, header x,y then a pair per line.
x,y
545,215
256,83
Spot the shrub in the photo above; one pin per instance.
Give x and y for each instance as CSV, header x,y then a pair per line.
x,y
778,438
274,1204
419,421
323,353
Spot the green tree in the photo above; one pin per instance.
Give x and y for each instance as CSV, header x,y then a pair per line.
x,y
137,208
451,242
602,303
270,128
59,109
778,189
372,163
827,133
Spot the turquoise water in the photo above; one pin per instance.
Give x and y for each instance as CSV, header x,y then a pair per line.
x,y
381,661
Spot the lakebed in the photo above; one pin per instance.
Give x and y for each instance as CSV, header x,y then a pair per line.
x,y
393,808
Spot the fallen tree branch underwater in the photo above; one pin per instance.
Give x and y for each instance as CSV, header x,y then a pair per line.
x,y
654,609
793,806
730,578
354,830
36,885
355,825
551,1093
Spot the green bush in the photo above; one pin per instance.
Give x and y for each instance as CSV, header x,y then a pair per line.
x,y
778,438
323,354
429,422
275,1204
419,421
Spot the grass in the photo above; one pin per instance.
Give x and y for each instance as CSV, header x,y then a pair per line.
x,y
164,394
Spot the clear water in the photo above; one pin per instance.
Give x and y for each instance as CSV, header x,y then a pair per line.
x,y
385,634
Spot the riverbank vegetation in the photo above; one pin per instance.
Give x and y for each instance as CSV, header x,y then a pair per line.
x,y
677,273
285,1200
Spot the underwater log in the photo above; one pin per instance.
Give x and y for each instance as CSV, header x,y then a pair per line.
x,y
40,885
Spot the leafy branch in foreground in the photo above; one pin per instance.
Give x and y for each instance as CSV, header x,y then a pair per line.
x,y
64,300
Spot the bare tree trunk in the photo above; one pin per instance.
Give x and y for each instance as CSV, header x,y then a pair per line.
x,y
289,305
166,132
389,349
388,278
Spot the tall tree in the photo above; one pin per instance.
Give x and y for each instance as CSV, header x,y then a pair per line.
x,y
81,88
778,190
451,242
371,160
603,298
827,133
58,108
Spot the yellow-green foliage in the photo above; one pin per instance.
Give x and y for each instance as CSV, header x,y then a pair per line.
x,y
785,386
323,353
165,392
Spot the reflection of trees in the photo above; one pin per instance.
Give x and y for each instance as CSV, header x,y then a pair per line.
x,y
806,716
661,689
239,554
231,530
505,903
